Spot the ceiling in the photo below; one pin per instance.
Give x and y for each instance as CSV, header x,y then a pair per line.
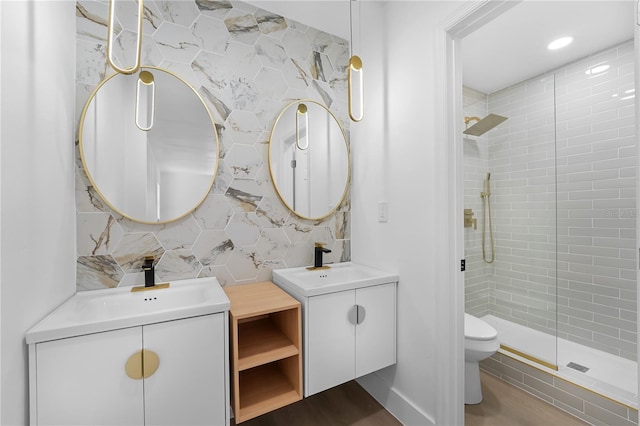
x,y
513,47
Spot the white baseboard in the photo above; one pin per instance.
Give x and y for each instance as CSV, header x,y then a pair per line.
x,y
394,402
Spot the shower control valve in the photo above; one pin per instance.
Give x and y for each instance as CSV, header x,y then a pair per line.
x,y
469,220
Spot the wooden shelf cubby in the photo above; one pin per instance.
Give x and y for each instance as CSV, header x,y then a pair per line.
x,y
266,349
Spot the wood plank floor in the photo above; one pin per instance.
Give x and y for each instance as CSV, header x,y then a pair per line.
x,y
350,405
505,404
343,405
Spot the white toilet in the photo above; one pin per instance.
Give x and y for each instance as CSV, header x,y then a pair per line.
x,y
480,342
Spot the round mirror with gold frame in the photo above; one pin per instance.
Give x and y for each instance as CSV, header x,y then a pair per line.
x,y
309,159
149,145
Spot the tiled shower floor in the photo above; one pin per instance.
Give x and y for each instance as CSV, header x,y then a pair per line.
x,y
609,375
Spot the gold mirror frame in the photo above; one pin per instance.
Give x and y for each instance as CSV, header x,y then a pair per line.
x,y
286,202
206,190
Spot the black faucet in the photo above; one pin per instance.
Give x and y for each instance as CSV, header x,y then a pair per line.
x,y
149,274
317,258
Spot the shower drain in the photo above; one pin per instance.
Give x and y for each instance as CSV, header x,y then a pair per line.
x,y
580,368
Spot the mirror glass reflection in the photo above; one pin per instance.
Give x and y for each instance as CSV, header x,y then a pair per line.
x,y
309,159
151,152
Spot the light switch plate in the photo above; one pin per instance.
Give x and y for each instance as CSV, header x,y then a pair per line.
x,y
383,211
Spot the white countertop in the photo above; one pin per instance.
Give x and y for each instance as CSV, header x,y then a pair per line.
x,y
339,277
110,309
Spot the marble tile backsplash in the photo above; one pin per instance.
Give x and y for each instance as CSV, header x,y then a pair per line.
x,y
247,64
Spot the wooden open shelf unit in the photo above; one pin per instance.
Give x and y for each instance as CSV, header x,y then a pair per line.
x,y
266,349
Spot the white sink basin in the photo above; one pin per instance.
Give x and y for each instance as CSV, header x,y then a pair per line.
x,y
102,310
340,276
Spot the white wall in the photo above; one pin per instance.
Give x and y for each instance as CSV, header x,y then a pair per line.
x,y
0,218
636,41
37,180
396,158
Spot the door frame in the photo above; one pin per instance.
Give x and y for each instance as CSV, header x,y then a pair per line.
x,y
472,15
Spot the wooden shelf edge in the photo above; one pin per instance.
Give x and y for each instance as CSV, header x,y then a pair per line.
x,y
267,406
248,300
267,357
267,311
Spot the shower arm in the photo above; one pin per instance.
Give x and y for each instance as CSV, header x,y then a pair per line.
x,y
468,119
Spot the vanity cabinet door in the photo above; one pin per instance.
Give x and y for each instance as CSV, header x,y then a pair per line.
x,y
330,341
82,380
376,330
349,334
189,386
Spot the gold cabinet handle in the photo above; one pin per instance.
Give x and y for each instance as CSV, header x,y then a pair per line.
x,y
142,364
150,363
133,366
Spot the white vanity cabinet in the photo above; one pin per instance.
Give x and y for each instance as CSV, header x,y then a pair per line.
x,y
342,343
75,381
349,324
83,380
89,364
191,389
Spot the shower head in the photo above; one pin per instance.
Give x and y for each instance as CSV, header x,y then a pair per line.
x,y
484,125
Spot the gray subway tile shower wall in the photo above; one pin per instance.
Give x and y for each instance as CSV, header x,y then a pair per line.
x,y
568,150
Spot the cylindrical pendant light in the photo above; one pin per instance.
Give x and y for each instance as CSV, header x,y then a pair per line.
x,y
302,127
355,73
145,101
356,88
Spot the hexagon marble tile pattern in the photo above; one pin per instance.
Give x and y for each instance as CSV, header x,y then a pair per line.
x,y
247,64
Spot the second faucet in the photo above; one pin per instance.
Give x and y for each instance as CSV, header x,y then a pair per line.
x,y
317,254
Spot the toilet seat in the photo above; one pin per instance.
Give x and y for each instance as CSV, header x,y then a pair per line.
x,y
476,329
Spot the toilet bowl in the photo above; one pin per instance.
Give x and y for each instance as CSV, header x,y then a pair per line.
x,y
480,342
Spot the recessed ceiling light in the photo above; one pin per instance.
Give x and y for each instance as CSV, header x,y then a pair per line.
x,y
560,43
597,69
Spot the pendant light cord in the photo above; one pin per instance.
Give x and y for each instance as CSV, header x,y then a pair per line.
x,y
352,18
351,27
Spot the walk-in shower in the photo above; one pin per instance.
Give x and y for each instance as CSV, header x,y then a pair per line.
x,y
560,176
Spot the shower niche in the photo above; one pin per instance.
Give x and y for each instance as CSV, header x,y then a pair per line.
x,y
561,289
